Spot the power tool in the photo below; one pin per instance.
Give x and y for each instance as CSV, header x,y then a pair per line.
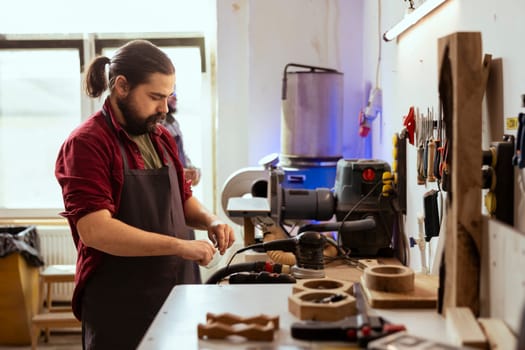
x,y
307,248
363,203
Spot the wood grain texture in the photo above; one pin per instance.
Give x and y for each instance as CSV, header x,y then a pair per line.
x,y
424,295
463,328
462,93
498,334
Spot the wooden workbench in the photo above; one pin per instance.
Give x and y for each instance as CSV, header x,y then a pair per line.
x,y
176,324
187,306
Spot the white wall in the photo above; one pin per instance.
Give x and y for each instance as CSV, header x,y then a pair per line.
x,y
410,78
409,73
256,39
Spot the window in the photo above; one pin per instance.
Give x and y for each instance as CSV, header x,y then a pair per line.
x,y
39,106
41,102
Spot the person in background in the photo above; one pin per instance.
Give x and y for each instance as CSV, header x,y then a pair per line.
x,y
127,201
190,171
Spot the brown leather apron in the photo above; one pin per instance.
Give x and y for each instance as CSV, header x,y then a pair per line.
x,y
124,294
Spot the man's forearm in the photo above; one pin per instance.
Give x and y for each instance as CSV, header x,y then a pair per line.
x,y
100,231
197,216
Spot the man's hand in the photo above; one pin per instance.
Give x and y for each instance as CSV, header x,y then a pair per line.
x,y
222,234
193,174
199,251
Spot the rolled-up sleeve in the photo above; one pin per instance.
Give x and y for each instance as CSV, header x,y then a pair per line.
x,y
86,171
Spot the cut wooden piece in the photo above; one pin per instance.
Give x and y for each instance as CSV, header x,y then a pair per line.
x,y
221,326
424,295
321,306
231,319
322,284
498,334
462,83
463,328
221,331
389,278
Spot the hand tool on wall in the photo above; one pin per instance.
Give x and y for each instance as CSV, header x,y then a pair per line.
x,y
439,142
399,168
519,159
432,221
420,144
425,146
498,177
431,154
360,329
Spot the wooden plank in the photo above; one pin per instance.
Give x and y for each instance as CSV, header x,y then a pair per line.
x,y
463,329
498,334
462,85
494,97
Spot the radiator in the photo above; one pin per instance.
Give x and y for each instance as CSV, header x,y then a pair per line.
x,y
57,247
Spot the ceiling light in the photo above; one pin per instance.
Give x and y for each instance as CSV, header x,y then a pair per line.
x,y
412,18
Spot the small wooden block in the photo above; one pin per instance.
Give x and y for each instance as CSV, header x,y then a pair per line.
x,y
389,278
463,329
303,305
322,284
221,326
423,296
231,319
498,334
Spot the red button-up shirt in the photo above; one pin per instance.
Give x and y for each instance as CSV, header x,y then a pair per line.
x,y
89,168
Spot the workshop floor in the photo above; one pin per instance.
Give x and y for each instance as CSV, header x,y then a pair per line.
x,y
57,341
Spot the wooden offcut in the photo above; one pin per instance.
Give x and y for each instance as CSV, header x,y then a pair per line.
x,y
498,334
463,77
389,278
463,329
423,296
221,326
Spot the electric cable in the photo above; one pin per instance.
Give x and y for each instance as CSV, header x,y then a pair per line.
x,y
257,266
356,205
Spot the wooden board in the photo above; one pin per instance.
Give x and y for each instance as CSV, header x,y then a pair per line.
x,y
463,329
462,83
498,334
423,296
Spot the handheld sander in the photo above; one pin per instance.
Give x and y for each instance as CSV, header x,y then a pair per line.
x,y
307,247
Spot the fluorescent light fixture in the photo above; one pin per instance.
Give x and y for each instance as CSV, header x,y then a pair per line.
x,y
412,18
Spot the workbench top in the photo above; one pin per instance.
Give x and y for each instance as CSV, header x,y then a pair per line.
x,y
175,326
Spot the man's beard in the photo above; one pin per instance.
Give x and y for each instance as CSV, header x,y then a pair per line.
x,y
135,124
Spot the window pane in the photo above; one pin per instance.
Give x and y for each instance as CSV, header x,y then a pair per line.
x,y
39,107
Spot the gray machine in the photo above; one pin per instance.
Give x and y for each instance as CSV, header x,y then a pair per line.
x,y
363,216
310,184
